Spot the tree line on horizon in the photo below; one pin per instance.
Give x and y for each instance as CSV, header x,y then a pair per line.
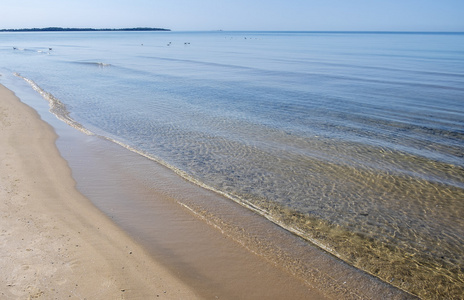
x,y
83,29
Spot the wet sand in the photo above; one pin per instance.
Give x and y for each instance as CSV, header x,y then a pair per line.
x,y
54,243
171,238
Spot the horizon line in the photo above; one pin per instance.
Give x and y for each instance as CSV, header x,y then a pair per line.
x,y
57,29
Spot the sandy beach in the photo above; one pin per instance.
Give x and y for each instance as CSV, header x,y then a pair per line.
x,y
140,239
54,243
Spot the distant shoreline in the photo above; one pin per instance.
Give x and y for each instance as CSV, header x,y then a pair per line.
x,y
54,29
62,29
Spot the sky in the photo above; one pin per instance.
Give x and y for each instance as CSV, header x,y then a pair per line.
x,y
286,15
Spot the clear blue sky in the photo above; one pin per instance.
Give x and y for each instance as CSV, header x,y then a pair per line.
x,y
394,15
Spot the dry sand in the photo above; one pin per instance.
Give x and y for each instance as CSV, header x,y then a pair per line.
x,y
54,243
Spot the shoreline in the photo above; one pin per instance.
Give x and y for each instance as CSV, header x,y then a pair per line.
x,y
61,244
192,242
55,243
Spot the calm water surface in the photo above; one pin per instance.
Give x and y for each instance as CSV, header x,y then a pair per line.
x,y
355,141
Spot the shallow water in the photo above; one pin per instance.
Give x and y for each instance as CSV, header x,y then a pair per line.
x,y
353,141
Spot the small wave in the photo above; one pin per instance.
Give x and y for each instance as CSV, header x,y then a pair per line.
x,y
46,51
56,106
92,63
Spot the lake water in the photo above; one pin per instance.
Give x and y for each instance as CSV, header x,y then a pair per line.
x,y
354,141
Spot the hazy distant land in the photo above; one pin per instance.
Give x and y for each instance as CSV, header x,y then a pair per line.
x,y
83,29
